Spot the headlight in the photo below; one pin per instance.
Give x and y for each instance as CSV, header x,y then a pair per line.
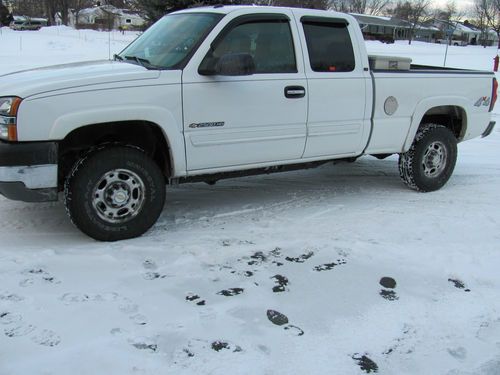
x,y
8,120
9,106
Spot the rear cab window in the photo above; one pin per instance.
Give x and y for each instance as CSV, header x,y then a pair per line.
x,y
329,44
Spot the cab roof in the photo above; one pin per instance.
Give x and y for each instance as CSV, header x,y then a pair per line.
x,y
226,9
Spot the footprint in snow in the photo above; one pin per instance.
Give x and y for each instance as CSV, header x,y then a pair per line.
x,y
46,338
281,320
70,298
139,319
127,306
260,257
257,258
10,297
9,318
196,346
459,353
222,345
153,276
230,242
191,297
329,266
19,330
281,283
149,264
145,345
230,292
459,284
37,274
403,344
388,283
301,258
366,364
243,273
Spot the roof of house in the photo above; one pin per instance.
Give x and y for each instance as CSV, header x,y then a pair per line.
x,y
380,21
106,9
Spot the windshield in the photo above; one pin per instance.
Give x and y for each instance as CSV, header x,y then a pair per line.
x,y
170,41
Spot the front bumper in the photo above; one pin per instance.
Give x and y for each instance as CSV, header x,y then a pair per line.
x,y
28,171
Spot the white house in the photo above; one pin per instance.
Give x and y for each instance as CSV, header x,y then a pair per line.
x,y
106,17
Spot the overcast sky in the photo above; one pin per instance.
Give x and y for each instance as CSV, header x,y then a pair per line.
x,y
463,5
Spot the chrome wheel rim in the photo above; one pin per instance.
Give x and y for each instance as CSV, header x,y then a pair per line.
x,y
435,159
118,196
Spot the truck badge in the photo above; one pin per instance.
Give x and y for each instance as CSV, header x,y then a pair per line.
x,y
483,101
207,125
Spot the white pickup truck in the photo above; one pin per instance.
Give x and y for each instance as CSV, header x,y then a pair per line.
x,y
218,92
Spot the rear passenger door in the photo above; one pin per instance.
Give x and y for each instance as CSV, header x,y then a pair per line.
x,y
337,87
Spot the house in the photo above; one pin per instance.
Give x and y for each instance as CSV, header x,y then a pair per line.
x,y
387,29
456,31
106,17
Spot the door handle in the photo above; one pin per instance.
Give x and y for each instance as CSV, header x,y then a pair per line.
x,y
295,92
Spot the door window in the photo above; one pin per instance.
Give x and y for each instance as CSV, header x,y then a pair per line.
x,y
269,42
329,45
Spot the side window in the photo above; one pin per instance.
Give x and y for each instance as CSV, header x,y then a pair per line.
x,y
330,47
269,43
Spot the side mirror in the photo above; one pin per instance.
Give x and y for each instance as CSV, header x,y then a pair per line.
x,y
235,64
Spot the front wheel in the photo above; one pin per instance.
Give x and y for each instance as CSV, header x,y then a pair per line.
x,y
115,193
430,161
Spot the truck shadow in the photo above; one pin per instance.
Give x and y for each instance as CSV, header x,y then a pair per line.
x,y
328,184
367,178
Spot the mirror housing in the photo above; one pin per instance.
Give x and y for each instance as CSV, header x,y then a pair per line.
x,y
235,64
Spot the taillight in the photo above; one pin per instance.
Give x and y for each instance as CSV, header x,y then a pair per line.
x,y
494,94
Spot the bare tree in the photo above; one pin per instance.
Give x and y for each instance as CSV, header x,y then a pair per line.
x,y
450,15
481,20
372,7
491,13
415,12
78,6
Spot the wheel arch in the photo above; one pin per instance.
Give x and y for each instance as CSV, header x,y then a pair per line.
x,y
452,113
144,135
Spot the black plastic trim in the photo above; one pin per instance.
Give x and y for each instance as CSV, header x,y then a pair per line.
x,y
328,20
290,94
19,192
489,129
214,177
28,153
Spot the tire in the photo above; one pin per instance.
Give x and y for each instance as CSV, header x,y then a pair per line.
x,y
114,193
430,161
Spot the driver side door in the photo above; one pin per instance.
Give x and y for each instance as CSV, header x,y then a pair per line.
x,y
246,121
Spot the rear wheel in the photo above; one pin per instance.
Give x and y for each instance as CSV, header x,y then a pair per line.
x,y
115,193
430,161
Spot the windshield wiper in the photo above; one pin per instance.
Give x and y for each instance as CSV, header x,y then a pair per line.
x,y
142,62
117,57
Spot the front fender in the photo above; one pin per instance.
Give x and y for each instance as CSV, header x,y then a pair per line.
x,y
53,117
159,116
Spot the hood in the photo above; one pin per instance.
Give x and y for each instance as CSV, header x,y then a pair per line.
x,y
58,77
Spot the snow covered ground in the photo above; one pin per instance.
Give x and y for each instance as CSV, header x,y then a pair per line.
x,y
337,270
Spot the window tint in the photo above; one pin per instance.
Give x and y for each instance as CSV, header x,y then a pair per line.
x,y
269,43
329,46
